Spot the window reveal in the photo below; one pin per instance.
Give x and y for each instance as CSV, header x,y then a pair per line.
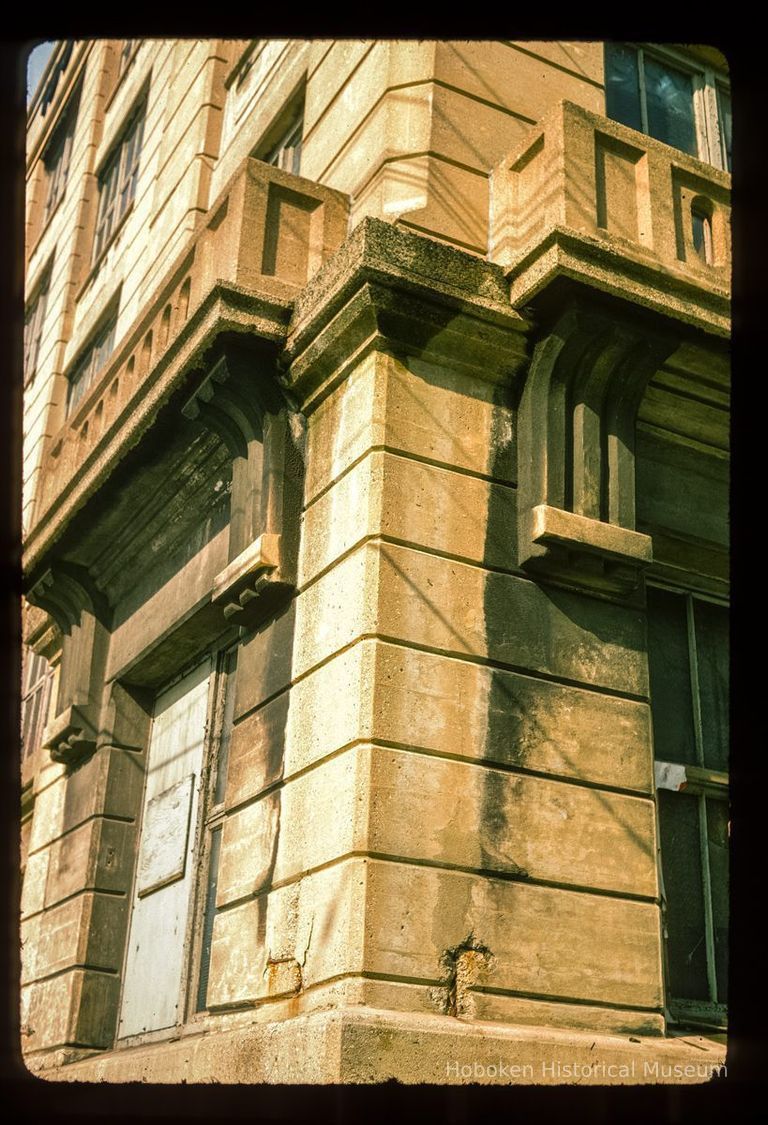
x,y
90,363
37,676
688,654
685,107
117,182
57,157
33,330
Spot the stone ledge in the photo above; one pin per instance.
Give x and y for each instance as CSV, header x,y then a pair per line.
x,y
406,292
365,1045
622,271
552,525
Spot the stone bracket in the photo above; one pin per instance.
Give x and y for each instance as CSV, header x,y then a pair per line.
x,y
64,591
71,735
245,583
230,402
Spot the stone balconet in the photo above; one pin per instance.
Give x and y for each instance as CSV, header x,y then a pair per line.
x,y
257,246
585,198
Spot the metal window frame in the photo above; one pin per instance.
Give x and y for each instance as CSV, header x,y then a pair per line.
x,y
288,148
92,358
33,325
211,819
37,677
706,104
115,175
58,154
701,782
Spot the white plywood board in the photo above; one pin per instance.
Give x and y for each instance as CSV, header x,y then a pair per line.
x,y
156,955
164,837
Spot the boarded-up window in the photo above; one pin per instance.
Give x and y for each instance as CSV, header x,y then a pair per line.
x,y
154,980
185,784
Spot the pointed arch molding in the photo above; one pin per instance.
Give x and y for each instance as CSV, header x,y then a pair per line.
x,y
240,401
576,448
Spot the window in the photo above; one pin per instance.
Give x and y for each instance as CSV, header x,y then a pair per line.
x,y
33,328
242,70
214,817
117,181
701,226
127,51
90,363
184,788
37,676
57,157
688,656
662,95
285,153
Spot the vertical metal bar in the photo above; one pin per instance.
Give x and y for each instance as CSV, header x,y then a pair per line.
x,y
641,84
709,933
693,665
709,927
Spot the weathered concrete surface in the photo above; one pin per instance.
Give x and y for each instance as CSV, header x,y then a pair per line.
x,y
317,921
366,1045
454,608
420,504
487,819
463,709
543,941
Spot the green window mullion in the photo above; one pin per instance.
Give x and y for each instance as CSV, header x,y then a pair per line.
x,y
641,84
706,875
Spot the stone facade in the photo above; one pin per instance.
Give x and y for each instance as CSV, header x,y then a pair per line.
x,y
341,561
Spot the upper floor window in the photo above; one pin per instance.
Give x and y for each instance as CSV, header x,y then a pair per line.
x,y
33,328
684,105
117,181
127,51
57,157
37,676
244,66
91,361
283,141
286,154
688,657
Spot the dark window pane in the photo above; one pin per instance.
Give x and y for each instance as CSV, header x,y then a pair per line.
x,y
669,102
702,235
724,104
713,660
93,360
622,85
683,890
717,834
673,731
210,914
